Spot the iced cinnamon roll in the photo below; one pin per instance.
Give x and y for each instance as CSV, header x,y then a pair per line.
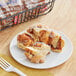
x,y
24,40
56,42
38,52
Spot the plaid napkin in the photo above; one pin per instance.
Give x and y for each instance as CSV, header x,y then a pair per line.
x,y
11,7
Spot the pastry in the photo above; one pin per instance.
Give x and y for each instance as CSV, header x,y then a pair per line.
x,y
38,52
37,42
40,33
44,36
56,42
24,40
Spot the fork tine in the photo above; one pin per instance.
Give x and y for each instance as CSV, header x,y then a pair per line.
x,y
9,68
5,61
2,62
2,65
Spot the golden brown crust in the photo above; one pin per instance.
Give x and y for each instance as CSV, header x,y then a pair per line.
x,y
37,59
56,50
37,52
44,36
30,51
39,26
30,30
20,45
28,55
56,42
38,31
38,42
24,40
59,46
62,43
34,57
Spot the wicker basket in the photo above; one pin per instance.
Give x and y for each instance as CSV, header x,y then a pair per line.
x,y
26,15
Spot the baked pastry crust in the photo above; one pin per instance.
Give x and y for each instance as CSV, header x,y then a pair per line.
x,y
44,36
40,33
37,43
37,52
24,40
56,42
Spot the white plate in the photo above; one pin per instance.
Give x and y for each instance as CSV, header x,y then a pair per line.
x,y
52,60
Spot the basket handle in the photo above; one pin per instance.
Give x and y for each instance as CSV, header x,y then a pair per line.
x,y
50,7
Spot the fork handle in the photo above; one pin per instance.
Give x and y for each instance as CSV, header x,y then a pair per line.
x,y
19,72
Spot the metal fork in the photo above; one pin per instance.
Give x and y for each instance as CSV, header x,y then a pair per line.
x,y
9,68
